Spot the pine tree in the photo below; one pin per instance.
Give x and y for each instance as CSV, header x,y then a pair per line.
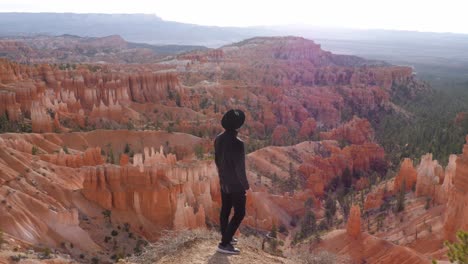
x,y
309,224
330,209
400,206
458,251
274,231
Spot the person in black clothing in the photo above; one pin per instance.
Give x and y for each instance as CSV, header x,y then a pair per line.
x,y
230,162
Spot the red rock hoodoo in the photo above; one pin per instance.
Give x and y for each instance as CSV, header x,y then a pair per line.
x,y
353,227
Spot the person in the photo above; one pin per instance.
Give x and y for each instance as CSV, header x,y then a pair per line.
x,y
230,162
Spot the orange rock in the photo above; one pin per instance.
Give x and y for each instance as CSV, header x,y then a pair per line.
x,y
41,120
319,171
456,217
307,128
356,131
368,248
280,135
373,200
90,157
124,160
407,174
353,227
9,106
362,183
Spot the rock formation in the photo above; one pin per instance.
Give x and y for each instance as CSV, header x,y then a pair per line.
x,y
57,184
407,174
353,227
356,131
319,171
90,157
41,120
307,128
430,176
457,213
175,191
369,249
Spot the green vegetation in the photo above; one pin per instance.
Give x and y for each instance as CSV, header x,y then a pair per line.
x,y
400,205
330,209
107,215
198,149
17,258
9,126
110,154
34,150
429,126
46,253
2,240
458,251
128,150
309,225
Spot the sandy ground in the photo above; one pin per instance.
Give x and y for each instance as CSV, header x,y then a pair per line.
x,y
205,252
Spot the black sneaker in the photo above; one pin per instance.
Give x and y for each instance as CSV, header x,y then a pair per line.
x,y
234,241
228,249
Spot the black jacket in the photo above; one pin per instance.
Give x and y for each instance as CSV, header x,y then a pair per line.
x,y
230,161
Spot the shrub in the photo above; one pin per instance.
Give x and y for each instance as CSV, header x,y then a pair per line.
x,y
126,227
127,148
273,232
2,240
46,252
428,203
458,251
34,150
17,258
400,206
282,229
198,149
107,214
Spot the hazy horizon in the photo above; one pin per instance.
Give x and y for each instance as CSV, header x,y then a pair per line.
x,y
422,16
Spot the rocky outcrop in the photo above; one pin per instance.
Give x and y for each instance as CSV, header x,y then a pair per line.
x,y
374,200
353,227
430,176
319,171
41,92
369,249
36,199
356,131
457,214
9,106
183,195
111,112
90,157
41,120
406,175
307,129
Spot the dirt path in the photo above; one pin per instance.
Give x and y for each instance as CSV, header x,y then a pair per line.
x,y
205,252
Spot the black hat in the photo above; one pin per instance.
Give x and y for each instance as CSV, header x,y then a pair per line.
x,y
233,119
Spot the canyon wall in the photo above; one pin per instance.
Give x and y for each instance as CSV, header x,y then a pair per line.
x,y
457,213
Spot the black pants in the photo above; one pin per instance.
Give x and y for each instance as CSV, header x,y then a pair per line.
x,y
229,228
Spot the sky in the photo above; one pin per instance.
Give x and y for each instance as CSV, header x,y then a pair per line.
x,y
419,15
